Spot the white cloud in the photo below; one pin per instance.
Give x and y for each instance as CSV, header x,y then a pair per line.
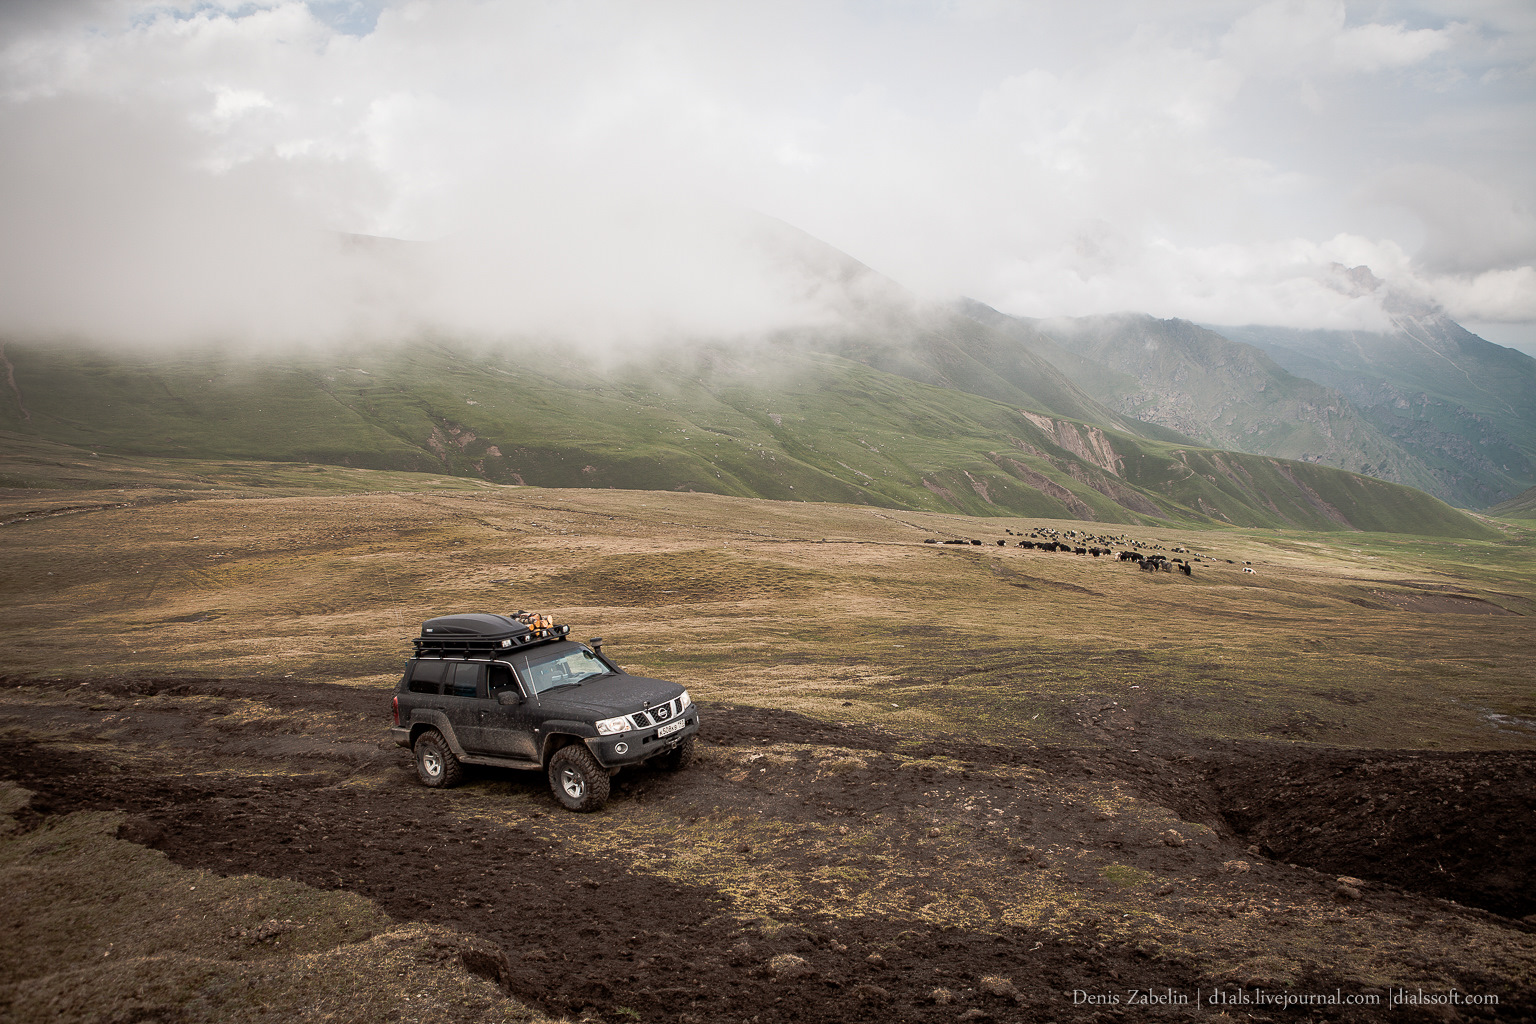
x,y
1295,37
1470,224
1285,283
229,103
1498,296
573,162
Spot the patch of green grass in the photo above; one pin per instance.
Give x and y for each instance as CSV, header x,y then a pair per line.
x,y
1125,876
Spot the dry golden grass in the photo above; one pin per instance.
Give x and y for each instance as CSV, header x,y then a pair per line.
x,y
1347,639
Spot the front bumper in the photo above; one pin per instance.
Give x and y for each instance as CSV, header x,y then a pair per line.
x,y
641,744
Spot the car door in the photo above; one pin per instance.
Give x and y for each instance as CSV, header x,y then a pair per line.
x,y
462,687
506,730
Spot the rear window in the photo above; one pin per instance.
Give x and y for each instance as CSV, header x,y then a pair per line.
x,y
464,681
427,676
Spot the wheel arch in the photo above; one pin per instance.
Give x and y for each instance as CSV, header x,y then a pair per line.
x,y
554,741
435,721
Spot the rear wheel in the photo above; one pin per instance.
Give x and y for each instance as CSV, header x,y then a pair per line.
x,y
435,764
578,781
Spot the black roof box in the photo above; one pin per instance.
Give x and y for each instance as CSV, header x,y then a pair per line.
x,y
479,632
473,626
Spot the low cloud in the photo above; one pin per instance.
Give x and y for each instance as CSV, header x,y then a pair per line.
x,y
117,229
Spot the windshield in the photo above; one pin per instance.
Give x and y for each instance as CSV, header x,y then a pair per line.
x,y
563,669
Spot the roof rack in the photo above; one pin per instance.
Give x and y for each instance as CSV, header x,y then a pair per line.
x,y
484,645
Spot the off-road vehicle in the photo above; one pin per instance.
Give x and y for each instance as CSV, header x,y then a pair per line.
x,y
513,691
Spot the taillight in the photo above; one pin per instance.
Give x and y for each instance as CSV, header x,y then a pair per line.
x,y
395,706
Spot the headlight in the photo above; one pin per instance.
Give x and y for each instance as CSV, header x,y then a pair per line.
x,y
687,701
610,726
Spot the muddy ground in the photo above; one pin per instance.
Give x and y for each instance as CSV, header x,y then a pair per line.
x,y
591,923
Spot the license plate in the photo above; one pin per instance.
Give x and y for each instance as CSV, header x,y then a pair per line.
x,y
670,728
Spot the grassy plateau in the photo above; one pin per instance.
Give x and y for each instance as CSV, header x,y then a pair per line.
x,y
937,782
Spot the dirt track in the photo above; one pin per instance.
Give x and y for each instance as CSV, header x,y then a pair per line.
x,y
336,807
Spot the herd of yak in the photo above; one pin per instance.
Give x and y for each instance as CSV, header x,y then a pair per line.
x,y
1051,540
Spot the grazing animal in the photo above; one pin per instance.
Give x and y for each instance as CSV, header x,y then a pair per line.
x,y
1186,569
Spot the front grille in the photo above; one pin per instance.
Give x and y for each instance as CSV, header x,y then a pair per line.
x,y
659,714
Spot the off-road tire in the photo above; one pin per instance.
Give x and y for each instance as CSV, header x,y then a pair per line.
x,y
435,764
577,780
679,757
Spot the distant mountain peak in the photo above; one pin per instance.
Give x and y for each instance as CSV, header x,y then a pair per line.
x,y
1353,281
1358,282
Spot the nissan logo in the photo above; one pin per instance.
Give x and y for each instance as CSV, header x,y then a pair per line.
x,y
662,713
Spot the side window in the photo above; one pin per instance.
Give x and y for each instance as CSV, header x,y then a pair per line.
x,y
465,679
500,677
427,676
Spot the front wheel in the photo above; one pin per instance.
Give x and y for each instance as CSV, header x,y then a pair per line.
x,y
678,758
435,764
578,781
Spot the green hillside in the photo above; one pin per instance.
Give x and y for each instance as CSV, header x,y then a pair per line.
x,y
943,347
775,421
1521,506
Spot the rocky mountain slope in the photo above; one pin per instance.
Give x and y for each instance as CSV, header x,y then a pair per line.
x,y
1223,394
1463,406
1427,404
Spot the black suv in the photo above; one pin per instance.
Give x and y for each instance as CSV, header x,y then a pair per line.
x,y
514,692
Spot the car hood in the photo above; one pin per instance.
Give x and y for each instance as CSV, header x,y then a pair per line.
x,y
610,696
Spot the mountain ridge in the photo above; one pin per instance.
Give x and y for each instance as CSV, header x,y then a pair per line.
x,y
779,421
1244,389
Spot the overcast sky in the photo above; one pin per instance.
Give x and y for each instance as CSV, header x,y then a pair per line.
x,y
182,169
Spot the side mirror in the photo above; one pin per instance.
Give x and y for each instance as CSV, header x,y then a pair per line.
x,y
509,696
